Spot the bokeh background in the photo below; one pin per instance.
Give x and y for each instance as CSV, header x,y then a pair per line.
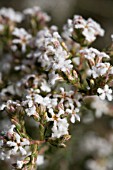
x,y
74,157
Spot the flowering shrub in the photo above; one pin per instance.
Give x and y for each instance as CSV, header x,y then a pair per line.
x,y
48,77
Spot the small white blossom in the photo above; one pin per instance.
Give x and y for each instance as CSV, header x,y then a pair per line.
x,y
73,112
76,60
106,92
99,70
45,86
38,13
31,111
60,129
60,125
45,101
18,143
23,38
11,14
20,164
55,117
93,53
53,78
17,146
99,106
40,160
88,28
63,65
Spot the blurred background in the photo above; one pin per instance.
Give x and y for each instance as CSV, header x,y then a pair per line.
x,y
91,146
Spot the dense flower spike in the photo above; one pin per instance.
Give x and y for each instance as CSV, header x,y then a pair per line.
x,y
48,78
50,52
106,92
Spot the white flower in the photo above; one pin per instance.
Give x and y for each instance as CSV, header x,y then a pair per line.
x,y
53,103
11,14
106,92
38,99
16,143
20,164
99,106
60,125
62,65
89,34
68,29
23,37
76,60
40,160
45,86
16,146
73,111
95,58
55,117
53,78
88,28
38,13
31,111
99,70
45,101
91,30
60,129
30,103
92,53
64,95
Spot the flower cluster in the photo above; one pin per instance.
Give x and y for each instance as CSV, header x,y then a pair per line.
x,y
98,67
8,18
47,80
14,144
37,13
56,109
50,51
81,30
